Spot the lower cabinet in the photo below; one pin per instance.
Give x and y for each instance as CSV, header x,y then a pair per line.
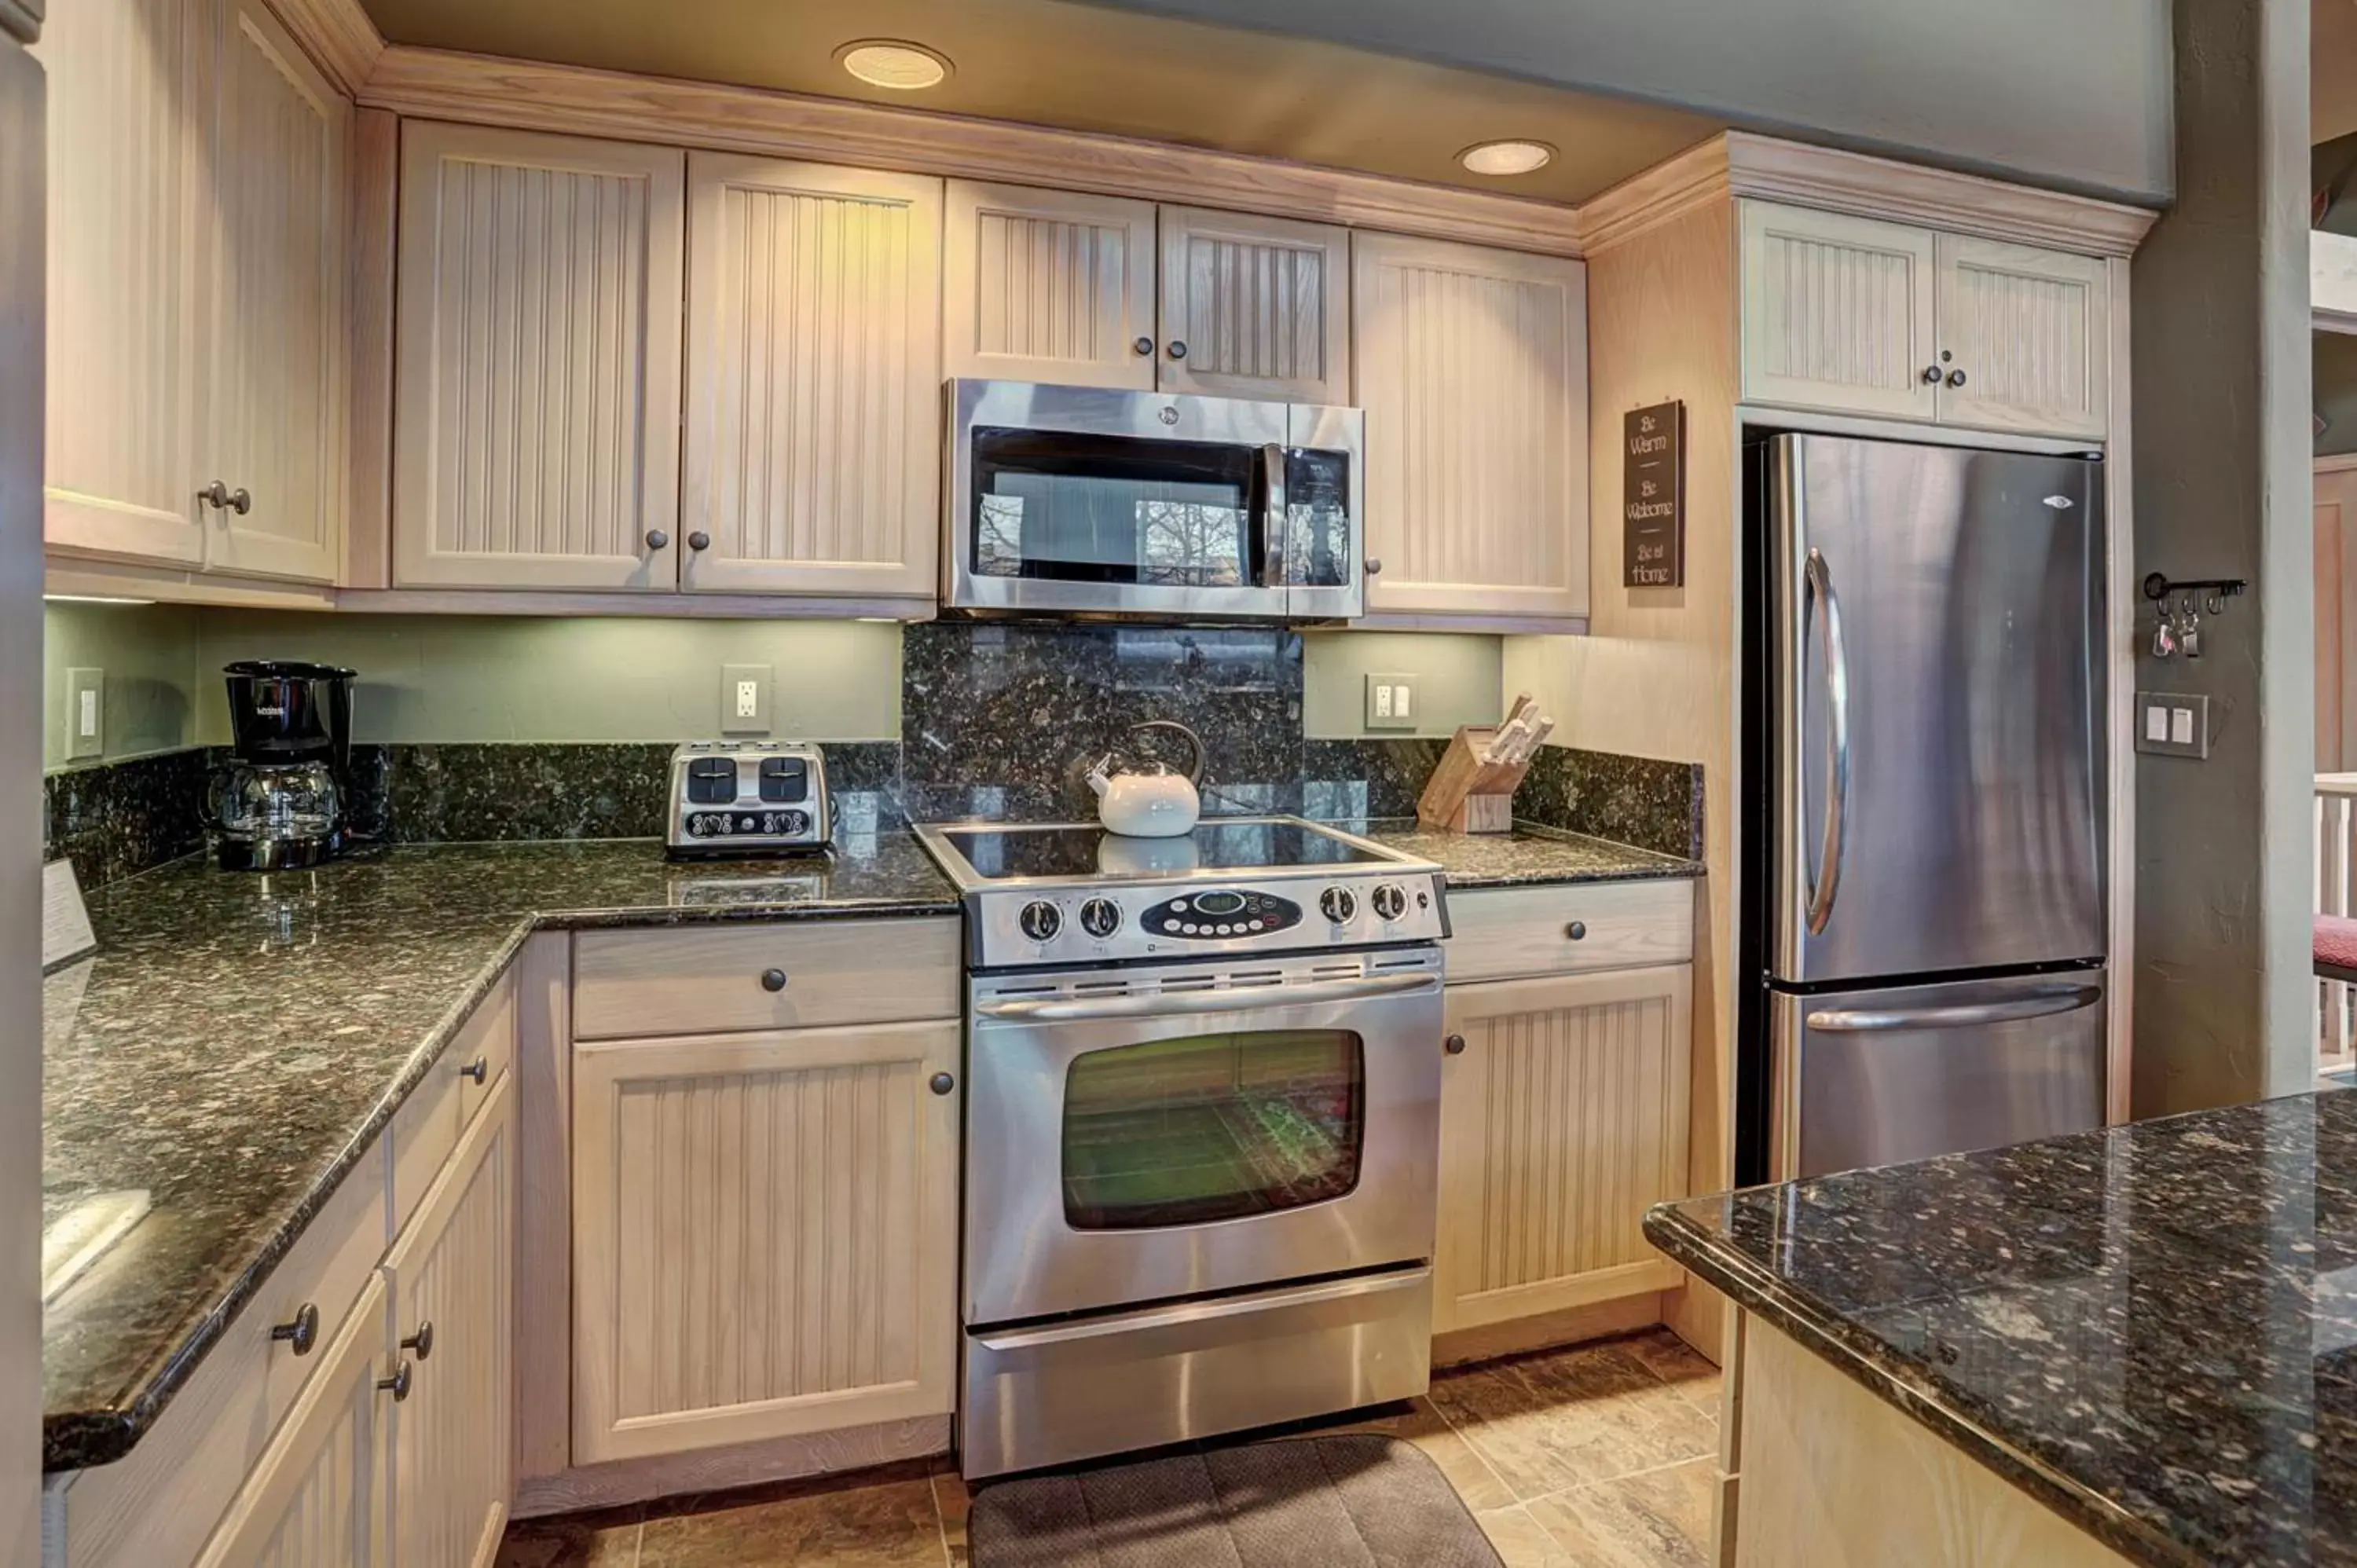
x,y
1563,1117
317,1499
765,1235
451,1276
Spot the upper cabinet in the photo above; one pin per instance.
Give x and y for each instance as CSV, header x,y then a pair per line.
x,y
813,384
1473,367
1887,320
1048,286
1100,291
196,314
537,361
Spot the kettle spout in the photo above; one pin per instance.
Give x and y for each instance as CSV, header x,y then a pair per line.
x,y
1098,782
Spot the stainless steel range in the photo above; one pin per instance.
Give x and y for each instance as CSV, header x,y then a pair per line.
x,y
1202,1127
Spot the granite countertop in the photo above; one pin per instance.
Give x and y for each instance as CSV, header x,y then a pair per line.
x,y
240,1039
1531,855
2152,1328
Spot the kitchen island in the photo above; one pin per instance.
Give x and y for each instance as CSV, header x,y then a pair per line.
x,y
2138,1344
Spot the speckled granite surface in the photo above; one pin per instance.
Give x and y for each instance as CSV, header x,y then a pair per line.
x,y
240,1039
2152,1329
1529,856
115,820
1630,799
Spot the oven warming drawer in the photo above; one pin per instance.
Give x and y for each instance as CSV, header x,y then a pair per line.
x,y
1063,1391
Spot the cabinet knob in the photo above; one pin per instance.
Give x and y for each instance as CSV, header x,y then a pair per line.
x,y
1375,568
699,540
773,980
220,498
1177,349
943,1082
1577,930
422,1341
398,1384
478,1069
1955,378
1144,344
303,1332
1932,375
657,540
1454,1045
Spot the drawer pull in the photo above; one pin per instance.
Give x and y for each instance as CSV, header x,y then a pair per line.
x,y
478,1069
773,980
1454,1045
1577,930
301,1334
943,1082
422,1341
398,1384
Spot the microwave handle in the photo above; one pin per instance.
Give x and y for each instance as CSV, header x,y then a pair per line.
x,y
1272,469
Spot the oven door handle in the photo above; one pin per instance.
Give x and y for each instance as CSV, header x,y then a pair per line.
x,y
1235,999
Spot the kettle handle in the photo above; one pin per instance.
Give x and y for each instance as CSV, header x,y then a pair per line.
x,y
1194,742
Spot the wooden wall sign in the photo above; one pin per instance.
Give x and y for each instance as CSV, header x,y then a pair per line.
x,y
1653,497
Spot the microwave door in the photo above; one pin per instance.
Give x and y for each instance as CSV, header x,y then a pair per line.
x,y
1315,516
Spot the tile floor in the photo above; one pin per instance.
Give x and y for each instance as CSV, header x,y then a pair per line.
x,y
1598,1456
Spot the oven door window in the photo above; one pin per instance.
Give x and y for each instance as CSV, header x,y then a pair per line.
x,y
1105,509
1211,1127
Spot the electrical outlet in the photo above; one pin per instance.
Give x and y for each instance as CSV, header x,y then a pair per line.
x,y
1391,702
2171,726
745,698
85,712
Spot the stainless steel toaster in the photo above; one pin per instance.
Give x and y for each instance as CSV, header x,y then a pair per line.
x,y
748,796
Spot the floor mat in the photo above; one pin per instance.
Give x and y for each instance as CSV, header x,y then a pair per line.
x,y
1354,1500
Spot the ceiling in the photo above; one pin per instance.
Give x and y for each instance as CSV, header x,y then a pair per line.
x,y
1077,67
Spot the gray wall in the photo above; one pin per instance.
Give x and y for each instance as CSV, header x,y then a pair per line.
x,y
2222,488
2066,92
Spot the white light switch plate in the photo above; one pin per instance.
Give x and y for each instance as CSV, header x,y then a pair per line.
x,y
2169,724
1391,702
85,712
745,698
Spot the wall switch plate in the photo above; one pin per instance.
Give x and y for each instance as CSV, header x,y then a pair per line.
x,y
2167,724
1391,702
745,698
85,712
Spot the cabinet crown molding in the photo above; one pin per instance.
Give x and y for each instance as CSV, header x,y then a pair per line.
x,y
1741,164
336,34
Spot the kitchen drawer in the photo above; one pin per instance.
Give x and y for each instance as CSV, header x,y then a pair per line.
x,y
154,1507
718,981
426,1129
1502,933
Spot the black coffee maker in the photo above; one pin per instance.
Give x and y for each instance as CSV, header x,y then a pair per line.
x,y
278,803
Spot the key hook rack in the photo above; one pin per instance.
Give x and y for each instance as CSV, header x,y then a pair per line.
x,y
2216,590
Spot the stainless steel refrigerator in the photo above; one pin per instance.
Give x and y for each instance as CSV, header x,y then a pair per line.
x,y
1925,735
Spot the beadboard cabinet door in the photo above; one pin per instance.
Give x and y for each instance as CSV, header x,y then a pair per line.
x,y
537,361
2029,333
1048,286
1473,367
1562,1121
451,1280
1254,306
765,1235
813,384
318,1498
1838,313
130,103
275,372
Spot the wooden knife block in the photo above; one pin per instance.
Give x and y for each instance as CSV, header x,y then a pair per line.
x,y
1467,795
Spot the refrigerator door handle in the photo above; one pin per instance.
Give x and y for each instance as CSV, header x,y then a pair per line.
x,y
2039,1003
1826,882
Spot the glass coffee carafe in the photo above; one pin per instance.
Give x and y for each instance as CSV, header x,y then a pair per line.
x,y
278,803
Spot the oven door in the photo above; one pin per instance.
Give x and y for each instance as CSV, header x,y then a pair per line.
x,y
1148,1135
1090,501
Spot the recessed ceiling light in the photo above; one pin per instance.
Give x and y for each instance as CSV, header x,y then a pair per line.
x,y
1506,158
890,63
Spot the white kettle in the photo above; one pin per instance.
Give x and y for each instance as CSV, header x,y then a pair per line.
x,y
1156,802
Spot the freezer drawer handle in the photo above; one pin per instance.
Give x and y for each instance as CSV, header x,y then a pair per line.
x,y
1233,1000
2041,1004
1827,880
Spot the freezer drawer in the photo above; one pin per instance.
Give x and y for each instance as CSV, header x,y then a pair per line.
x,y
1878,1077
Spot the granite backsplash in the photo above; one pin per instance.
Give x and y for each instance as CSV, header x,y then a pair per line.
x,y
997,720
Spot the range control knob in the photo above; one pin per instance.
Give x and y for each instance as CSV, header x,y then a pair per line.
x,y
1101,918
1040,920
1338,905
1389,901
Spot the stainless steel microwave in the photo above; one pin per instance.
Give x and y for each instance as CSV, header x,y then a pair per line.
x,y
1092,502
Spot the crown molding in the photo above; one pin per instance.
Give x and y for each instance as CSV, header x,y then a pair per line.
x,y
336,34
530,95
1739,164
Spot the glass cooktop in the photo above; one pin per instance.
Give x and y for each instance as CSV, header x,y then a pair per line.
x,y
1071,853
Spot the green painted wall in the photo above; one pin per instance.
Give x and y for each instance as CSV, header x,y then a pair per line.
x,y
148,652
1458,681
